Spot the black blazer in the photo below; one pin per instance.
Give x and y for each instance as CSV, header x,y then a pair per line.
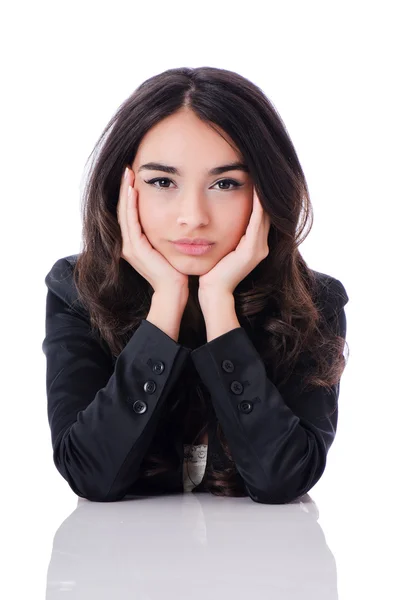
x,y
104,412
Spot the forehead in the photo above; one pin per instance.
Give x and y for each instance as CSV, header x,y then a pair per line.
x,y
183,137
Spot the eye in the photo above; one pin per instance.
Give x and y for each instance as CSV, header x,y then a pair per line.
x,y
153,181
234,183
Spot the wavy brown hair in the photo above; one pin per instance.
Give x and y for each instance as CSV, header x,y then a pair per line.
x,y
278,303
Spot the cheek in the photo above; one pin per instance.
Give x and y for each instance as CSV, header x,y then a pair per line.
x,y
237,221
151,227
149,217
154,232
233,226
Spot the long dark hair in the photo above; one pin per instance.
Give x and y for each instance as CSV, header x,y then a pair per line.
x,y
276,303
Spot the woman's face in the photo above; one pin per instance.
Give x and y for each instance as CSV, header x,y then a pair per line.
x,y
192,203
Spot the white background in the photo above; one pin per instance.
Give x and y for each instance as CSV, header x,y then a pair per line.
x,y
330,70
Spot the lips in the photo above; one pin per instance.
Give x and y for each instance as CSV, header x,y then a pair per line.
x,y
193,249
194,241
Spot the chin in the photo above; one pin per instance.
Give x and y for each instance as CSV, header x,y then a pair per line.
x,y
193,267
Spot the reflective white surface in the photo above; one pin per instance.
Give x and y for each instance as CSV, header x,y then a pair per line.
x,y
187,547
335,543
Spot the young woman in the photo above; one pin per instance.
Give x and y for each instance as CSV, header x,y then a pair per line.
x,y
209,366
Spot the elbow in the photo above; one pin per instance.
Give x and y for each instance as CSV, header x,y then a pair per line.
x,y
101,497
279,496
273,498
84,482
90,490
90,476
85,487
288,490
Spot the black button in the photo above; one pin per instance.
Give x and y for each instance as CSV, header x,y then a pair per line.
x,y
158,367
228,366
245,406
139,407
236,387
150,387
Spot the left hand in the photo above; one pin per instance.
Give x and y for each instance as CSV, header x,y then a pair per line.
x,y
251,250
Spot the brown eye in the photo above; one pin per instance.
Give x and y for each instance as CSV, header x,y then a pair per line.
x,y
236,184
153,181
226,182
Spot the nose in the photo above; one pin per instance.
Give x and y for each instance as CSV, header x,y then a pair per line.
x,y
193,211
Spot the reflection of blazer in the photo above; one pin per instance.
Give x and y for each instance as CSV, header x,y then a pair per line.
x,y
103,413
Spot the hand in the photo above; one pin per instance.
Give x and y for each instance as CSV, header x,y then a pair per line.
x,y
252,248
137,250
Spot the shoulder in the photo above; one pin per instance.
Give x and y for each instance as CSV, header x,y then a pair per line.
x,y
59,280
330,293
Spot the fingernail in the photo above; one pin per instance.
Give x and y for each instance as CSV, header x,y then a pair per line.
x,y
126,173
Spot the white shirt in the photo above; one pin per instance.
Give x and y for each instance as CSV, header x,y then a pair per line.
x,y
195,459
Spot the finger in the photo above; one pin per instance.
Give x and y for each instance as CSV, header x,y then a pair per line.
x,y
132,219
261,218
123,203
257,212
257,204
259,224
123,187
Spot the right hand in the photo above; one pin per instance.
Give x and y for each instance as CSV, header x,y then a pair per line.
x,y
136,248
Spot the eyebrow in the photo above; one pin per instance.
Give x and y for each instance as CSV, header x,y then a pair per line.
x,y
236,166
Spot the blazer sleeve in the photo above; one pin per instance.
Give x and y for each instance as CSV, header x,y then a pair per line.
x,y
102,416
279,442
